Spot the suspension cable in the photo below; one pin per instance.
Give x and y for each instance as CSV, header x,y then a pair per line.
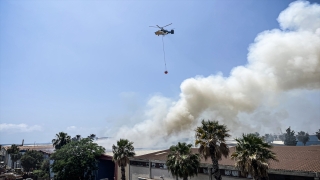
x,y
164,55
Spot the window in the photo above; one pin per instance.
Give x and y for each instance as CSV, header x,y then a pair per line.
x,y
231,173
205,170
227,172
139,163
235,173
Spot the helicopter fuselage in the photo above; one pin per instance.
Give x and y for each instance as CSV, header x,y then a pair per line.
x,y
160,32
163,32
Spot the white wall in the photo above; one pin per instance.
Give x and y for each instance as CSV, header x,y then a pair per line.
x,y
156,173
138,171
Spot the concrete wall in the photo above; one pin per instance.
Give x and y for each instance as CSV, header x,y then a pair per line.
x,y
137,171
156,173
200,176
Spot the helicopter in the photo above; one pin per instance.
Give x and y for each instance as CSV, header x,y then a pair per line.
x,y
163,31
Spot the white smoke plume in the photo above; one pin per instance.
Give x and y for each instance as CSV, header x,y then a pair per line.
x,y
281,63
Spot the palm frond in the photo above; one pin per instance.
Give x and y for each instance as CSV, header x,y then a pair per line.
x,y
182,162
252,155
212,134
122,152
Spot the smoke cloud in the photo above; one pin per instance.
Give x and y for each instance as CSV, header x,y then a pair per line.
x,y
282,64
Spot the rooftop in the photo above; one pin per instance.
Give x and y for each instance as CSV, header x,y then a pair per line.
x,y
291,158
44,148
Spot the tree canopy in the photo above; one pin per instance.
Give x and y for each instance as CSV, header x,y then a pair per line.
x,y
182,162
121,154
92,136
255,134
303,137
252,156
31,160
61,140
44,171
211,138
76,160
318,134
290,138
15,154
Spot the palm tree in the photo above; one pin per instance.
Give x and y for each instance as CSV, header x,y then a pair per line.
x,y
252,155
181,162
121,154
211,138
61,140
15,154
92,136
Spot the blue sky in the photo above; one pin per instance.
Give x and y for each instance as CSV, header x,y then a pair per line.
x,y
92,66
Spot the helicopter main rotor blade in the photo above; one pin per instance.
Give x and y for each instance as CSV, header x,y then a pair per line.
x,y
167,25
159,27
153,26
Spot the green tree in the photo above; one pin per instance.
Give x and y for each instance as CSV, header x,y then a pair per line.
x,y
15,154
31,160
92,136
255,134
76,160
303,137
76,138
318,134
290,139
252,156
61,140
211,138
44,171
181,162
121,154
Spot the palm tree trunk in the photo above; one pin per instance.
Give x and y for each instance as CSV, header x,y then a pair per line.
x,y
215,169
123,173
215,164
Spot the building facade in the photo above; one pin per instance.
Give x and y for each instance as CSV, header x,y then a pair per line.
x,y
295,163
313,140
